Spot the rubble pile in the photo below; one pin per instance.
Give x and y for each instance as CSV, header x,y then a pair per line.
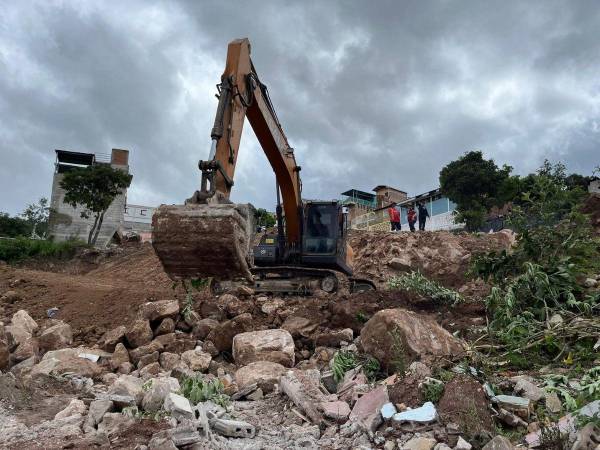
x,y
245,370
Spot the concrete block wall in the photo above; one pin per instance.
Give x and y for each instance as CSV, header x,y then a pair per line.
x,y
66,222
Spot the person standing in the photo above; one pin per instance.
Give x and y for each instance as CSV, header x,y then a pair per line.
x,y
412,218
394,218
423,215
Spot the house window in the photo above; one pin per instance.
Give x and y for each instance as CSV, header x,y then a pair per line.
x,y
143,212
126,210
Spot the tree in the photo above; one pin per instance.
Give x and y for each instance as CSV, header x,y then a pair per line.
x,y
94,188
264,217
13,226
36,214
475,185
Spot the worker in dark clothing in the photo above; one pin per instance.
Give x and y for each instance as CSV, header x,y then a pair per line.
x,y
394,218
423,215
412,218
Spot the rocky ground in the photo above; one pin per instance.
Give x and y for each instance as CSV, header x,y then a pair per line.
x,y
105,352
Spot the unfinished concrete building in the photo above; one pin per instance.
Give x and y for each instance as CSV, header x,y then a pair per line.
x,y
65,221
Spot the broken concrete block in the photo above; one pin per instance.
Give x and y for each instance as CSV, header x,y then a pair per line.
x,y
178,406
120,401
115,423
157,390
336,410
304,392
233,428
424,414
130,386
266,345
519,405
367,408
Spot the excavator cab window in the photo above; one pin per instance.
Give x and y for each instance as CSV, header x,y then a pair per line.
x,y
321,229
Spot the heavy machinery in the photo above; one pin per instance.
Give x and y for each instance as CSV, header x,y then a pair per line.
x,y
210,236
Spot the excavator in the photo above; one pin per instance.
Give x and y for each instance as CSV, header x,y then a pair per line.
x,y
211,237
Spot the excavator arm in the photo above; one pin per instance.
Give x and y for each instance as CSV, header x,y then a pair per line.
x,y
209,236
241,95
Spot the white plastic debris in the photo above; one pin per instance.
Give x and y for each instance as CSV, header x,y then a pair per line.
x,y
388,410
52,312
423,414
90,356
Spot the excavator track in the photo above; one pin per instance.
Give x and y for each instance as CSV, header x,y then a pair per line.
x,y
200,241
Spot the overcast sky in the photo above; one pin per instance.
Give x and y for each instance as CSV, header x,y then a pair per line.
x,y
368,92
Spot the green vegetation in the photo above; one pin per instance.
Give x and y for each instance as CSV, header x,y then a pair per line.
x,y
197,390
538,309
32,222
345,360
19,249
423,286
432,391
475,185
264,218
94,188
398,352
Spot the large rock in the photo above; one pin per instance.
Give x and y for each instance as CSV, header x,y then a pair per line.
x,y
265,374
160,309
97,410
169,361
112,337
138,353
333,338
400,335
115,424
139,334
75,407
55,337
499,443
21,319
266,345
58,362
204,327
128,385
27,349
178,406
196,360
4,349
157,391
298,326
166,326
222,336
119,356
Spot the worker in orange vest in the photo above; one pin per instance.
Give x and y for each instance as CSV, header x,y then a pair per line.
x,y
412,218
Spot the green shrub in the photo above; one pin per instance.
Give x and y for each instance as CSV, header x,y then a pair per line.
x,y
345,360
419,284
197,390
19,249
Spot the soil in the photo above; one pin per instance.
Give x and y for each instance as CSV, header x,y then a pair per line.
x,y
105,296
591,206
406,391
464,402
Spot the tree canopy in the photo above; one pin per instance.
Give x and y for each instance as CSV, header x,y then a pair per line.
x,y
94,188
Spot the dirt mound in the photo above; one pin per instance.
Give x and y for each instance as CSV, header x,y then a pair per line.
x,y
591,206
443,256
104,297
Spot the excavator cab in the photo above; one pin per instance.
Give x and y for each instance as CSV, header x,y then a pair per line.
x,y
323,237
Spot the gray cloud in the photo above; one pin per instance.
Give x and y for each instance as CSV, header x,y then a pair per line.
x,y
368,92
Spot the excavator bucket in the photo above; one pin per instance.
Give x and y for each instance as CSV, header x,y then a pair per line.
x,y
200,241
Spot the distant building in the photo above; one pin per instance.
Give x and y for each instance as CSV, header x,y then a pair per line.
x,y
65,222
441,211
368,211
138,219
594,186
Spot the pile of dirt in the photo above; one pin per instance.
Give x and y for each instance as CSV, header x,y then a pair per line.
x,y
442,256
106,296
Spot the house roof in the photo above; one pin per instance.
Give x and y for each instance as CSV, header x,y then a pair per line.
x,y
383,186
67,157
359,194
